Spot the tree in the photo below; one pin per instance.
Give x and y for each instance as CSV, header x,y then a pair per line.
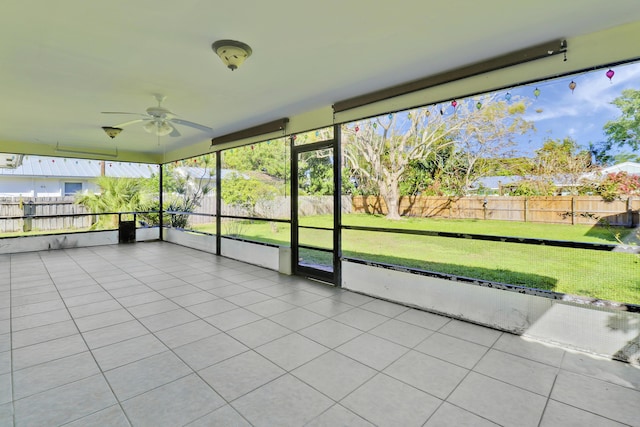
x,y
117,195
380,150
315,172
385,150
562,162
245,192
488,131
623,131
271,158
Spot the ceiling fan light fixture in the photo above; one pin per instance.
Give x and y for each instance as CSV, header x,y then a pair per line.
x,y
164,129
161,128
111,131
232,53
150,127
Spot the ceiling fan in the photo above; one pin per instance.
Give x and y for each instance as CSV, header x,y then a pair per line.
x,y
159,121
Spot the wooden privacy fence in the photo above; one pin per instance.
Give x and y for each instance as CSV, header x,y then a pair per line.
x,y
556,209
278,207
553,209
16,206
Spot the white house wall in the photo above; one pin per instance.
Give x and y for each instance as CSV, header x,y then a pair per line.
x,y
11,186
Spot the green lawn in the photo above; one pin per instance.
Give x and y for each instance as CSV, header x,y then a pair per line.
x,y
605,275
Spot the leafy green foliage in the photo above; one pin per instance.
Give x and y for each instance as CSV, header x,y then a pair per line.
x,y
185,183
625,130
618,184
118,195
533,188
245,192
271,158
315,173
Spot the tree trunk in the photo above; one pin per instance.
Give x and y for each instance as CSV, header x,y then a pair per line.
x,y
392,208
391,197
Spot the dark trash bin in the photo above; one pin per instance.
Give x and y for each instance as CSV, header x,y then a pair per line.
x,y
127,232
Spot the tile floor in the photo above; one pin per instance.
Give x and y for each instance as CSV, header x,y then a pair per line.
x,y
154,334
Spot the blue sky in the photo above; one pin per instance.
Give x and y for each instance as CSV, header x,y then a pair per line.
x,y
558,113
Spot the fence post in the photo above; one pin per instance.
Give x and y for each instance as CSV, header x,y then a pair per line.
x,y
526,208
629,212
573,210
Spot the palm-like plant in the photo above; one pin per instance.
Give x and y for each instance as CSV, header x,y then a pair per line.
x,y
116,195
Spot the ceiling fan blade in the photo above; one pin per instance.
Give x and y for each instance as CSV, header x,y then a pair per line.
x,y
191,124
123,112
130,122
175,132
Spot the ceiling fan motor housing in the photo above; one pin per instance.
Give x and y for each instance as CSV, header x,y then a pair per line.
x,y
158,112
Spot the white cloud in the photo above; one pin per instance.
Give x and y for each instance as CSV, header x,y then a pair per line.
x,y
592,96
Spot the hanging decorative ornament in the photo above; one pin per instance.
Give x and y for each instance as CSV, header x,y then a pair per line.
x,y
357,128
536,92
427,113
317,133
479,105
375,125
390,116
409,115
454,103
441,111
572,86
294,137
53,160
507,96
610,74
268,142
110,164
252,148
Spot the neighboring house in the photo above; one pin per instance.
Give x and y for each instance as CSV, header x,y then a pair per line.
x,y
500,185
632,168
204,174
494,184
497,184
55,177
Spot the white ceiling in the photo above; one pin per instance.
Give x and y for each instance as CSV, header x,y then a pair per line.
x,y
63,62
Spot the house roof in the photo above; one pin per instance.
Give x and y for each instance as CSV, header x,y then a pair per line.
x,y
66,62
631,168
203,173
37,166
494,182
